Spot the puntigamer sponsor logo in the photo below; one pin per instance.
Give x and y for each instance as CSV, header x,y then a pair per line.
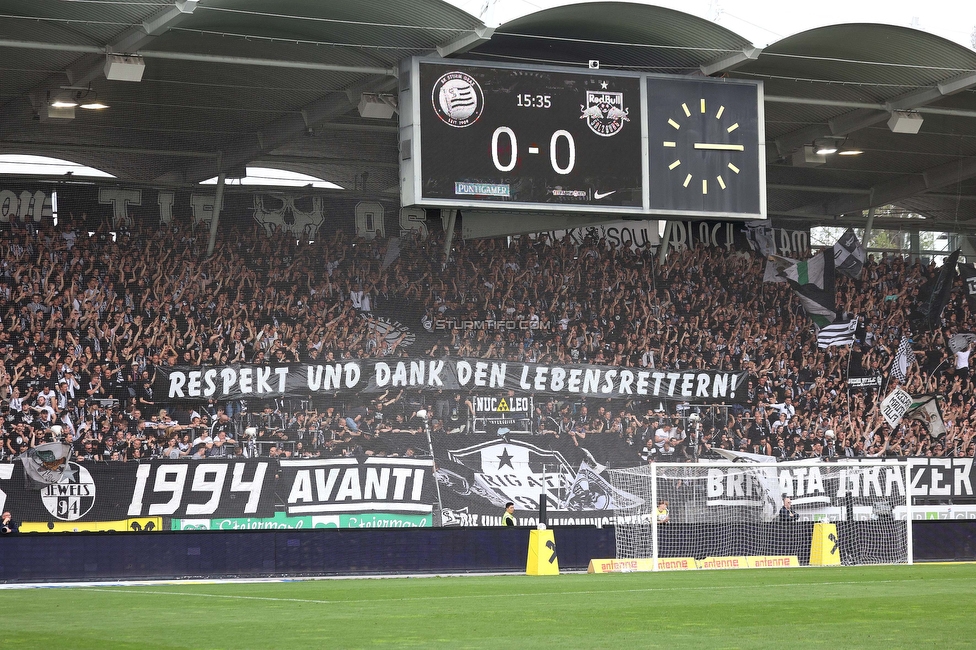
x,y
482,189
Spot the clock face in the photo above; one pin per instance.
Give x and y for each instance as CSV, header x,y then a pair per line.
x,y
702,137
704,147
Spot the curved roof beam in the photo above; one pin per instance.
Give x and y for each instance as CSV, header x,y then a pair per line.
x,y
281,130
893,190
466,41
858,119
324,109
91,65
731,61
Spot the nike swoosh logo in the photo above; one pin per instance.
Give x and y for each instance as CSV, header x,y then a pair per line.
x,y
602,195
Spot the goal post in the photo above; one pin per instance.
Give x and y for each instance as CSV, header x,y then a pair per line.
x,y
842,512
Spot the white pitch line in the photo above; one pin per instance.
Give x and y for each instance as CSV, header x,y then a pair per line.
x,y
588,592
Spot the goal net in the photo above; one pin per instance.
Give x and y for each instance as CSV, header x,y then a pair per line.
x,y
728,510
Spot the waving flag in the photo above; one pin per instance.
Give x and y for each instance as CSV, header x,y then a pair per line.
x,y
925,409
849,255
933,297
961,341
904,358
813,283
837,334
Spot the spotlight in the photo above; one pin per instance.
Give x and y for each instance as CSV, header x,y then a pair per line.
x,y
849,148
805,156
824,147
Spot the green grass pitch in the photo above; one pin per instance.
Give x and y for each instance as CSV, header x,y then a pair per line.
x,y
922,606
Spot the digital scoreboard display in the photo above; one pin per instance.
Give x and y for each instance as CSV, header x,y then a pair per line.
x,y
530,136
579,140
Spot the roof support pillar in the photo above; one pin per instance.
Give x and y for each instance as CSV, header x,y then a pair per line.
x,y
218,200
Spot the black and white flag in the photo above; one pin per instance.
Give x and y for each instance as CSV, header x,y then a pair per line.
x,y
925,409
894,406
760,237
933,296
968,273
813,282
849,255
903,360
961,341
837,334
776,266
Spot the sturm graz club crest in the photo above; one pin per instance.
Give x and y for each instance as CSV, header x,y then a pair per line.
x,y
73,496
458,99
604,111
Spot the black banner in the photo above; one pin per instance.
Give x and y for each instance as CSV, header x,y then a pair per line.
x,y
112,491
872,381
478,475
739,236
183,383
475,475
298,212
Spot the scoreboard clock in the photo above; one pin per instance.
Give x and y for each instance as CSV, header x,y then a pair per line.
x,y
579,140
705,147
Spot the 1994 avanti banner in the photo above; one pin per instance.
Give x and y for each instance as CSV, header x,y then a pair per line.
x,y
371,376
471,480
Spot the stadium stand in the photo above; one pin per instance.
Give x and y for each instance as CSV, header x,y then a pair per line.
x,y
88,322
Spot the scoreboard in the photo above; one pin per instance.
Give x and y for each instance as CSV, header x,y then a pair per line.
x,y
579,140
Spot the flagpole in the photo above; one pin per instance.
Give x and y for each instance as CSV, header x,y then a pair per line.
x,y
847,379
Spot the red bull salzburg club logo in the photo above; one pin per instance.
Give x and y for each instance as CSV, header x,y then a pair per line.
x,y
458,99
604,111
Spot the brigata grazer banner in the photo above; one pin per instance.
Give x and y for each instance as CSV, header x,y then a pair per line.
x,y
186,383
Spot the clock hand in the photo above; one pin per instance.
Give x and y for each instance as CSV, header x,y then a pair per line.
x,y
719,147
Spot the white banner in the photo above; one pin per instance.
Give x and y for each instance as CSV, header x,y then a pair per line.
x,y
894,406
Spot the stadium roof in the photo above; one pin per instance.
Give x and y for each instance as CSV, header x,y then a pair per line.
x,y
235,82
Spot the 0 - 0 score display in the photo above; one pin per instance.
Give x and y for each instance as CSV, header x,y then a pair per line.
x,y
480,135
528,137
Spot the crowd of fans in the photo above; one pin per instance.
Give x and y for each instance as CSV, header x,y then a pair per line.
x,y
88,320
